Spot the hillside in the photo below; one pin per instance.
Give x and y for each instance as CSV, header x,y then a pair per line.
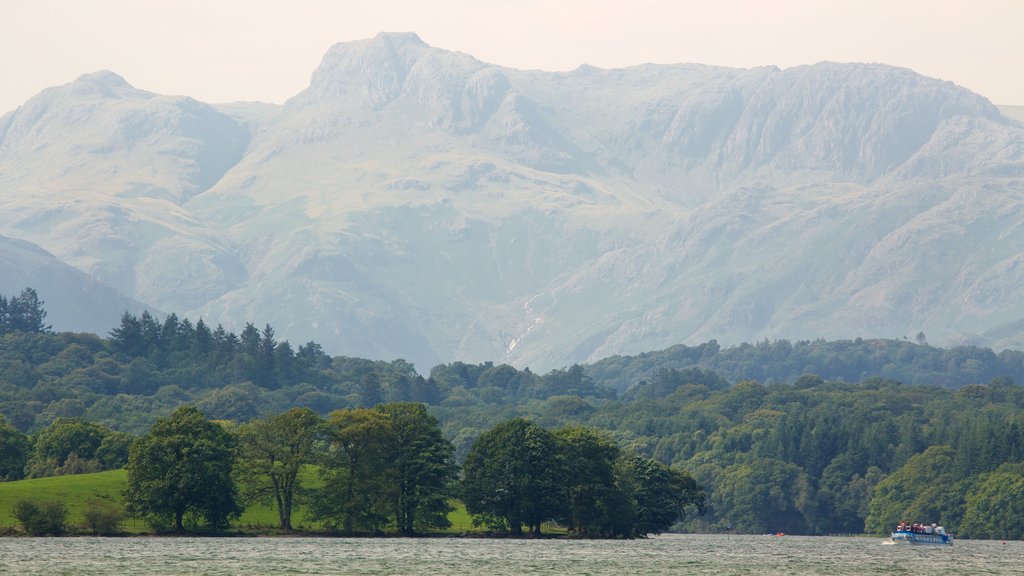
x,y
418,203
75,301
79,490
814,456
1015,112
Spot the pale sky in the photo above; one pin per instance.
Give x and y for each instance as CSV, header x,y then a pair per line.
x,y
231,50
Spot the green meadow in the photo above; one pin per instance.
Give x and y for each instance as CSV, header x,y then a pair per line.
x,y
79,490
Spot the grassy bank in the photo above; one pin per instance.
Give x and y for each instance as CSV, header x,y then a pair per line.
x,y
79,490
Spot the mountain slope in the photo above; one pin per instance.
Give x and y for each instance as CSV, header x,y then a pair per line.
x,y
74,302
419,203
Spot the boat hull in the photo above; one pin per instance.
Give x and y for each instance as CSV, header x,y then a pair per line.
x,y
919,539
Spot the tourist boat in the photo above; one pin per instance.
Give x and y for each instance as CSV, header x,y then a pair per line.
x,y
910,533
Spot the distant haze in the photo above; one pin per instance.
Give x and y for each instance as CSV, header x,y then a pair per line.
x,y
233,51
416,202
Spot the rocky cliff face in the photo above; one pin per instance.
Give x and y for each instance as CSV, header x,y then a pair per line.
x,y
419,203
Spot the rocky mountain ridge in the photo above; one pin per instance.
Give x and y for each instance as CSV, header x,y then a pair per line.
x,y
415,202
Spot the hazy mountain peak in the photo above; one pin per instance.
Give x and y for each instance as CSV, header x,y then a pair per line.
x,y
366,73
400,38
103,84
417,202
104,78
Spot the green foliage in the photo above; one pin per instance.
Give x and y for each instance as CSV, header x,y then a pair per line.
x,y
593,501
41,518
658,496
14,452
837,360
827,442
183,466
518,473
994,508
101,517
512,473
762,496
272,452
75,491
424,468
357,470
925,487
22,313
112,452
67,446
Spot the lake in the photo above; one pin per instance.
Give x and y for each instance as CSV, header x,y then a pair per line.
x,y
662,555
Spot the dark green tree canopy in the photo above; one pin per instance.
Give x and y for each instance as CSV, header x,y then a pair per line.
x,y
593,499
14,452
183,466
659,496
424,468
23,313
64,439
512,475
357,471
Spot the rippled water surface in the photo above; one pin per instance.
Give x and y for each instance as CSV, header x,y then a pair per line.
x,y
663,555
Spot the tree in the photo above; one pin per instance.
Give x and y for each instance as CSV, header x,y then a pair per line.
x,y
994,508
924,489
183,466
39,518
357,471
14,452
266,375
25,313
660,495
271,453
765,495
511,476
112,452
594,502
424,468
62,439
5,325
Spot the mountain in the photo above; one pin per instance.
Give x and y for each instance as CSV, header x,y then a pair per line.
x,y
1015,112
415,202
74,302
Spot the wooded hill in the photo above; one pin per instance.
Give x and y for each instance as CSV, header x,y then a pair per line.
x,y
775,447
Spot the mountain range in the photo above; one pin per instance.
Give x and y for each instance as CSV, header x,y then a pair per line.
x,y
415,202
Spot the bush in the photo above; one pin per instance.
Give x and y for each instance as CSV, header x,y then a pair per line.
x,y
102,517
76,465
38,518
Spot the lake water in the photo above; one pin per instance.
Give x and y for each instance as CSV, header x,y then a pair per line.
x,y
662,555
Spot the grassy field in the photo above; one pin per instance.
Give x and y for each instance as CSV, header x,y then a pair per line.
x,y
79,490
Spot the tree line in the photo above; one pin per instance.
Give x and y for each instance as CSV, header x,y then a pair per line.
x,y
901,359
23,312
807,453
390,468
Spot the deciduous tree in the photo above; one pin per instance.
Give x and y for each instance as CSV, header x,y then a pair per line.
x,y
183,466
272,451
424,468
14,452
357,471
592,497
512,475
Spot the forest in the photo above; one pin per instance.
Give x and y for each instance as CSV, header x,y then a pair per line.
x,y
812,437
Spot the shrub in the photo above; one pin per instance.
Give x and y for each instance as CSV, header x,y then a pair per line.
x,y
38,518
102,517
76,465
